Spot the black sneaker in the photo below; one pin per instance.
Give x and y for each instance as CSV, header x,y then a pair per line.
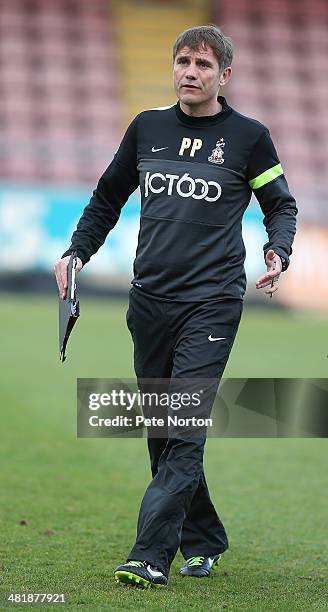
x,y
140,574
200,567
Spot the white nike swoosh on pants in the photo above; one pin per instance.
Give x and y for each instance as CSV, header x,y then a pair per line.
x,y
214,339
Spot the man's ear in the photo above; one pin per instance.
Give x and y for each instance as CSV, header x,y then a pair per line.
x,y
225,76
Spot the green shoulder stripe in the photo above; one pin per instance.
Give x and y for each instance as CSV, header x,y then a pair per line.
x,y
266,177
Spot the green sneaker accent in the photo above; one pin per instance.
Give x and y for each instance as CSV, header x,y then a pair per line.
x,y
195,561
200,566
140,574
137,581
135,563
215,565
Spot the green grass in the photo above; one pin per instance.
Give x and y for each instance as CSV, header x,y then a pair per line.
x,y
80,498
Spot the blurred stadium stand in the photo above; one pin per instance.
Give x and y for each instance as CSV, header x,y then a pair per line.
x,y
146,31
74,72
60,111
280,77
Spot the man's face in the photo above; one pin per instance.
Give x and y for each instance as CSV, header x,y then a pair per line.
x,y
196,76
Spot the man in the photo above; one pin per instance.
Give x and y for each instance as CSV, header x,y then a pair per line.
x,y
197,163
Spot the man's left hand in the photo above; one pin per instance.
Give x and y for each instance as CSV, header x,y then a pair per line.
x,y
274,267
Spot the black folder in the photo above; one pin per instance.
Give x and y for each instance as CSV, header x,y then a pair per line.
x,y
69,308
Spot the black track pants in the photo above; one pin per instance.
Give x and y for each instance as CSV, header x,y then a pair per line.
x,y
171,340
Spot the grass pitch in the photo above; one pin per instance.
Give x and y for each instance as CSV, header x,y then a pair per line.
x,y
69,507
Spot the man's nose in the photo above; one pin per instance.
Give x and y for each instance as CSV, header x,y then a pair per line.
x,y
191,72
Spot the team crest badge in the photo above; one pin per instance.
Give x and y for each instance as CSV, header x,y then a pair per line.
x,y
217,154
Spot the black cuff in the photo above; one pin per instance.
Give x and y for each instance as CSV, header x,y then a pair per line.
x,y
78,254
282,254
284,263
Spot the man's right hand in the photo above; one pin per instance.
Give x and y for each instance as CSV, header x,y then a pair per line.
x,y
61,274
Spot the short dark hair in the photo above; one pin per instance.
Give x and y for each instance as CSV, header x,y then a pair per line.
x,y
206,36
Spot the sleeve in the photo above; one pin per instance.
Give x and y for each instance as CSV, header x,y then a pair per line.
x,y
113,190
267,180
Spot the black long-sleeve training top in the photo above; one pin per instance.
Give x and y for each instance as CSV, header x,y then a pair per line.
x,y
196,177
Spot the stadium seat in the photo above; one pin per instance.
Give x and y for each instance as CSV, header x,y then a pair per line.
x,y
59,86
280,75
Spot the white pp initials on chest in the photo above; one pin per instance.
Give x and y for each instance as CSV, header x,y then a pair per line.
x,y
190,146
